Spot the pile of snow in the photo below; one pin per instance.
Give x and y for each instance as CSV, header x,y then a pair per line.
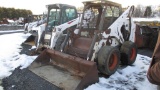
x,y
126,78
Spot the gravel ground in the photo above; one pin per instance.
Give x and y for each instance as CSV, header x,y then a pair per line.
x,y
26,80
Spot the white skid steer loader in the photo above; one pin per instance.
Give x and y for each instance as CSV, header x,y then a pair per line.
x,y
104,38
60,17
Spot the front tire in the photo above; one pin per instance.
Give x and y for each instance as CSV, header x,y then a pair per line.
x,y
108,60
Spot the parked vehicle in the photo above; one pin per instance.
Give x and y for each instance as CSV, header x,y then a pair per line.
x,y
60,17
104,39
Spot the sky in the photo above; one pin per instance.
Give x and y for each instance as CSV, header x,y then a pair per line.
x,y
38,6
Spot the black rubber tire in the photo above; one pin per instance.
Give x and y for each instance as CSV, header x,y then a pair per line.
x,y
59,42
105,55
128,53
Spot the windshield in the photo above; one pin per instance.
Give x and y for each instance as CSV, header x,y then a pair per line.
x,y
91,17
53,19
54,15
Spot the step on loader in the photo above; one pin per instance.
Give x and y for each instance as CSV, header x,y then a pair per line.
x,y
103,40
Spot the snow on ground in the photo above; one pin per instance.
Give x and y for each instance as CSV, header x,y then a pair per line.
x,y
9,53
126,78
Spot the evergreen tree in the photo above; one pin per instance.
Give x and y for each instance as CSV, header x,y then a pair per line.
x,y
13,13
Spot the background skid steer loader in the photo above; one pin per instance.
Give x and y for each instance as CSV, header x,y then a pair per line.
x,y
103,36
60,17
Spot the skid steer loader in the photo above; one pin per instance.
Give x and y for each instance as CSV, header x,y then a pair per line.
x,y
60,17
104,38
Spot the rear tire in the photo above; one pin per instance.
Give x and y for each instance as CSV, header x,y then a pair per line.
x,y
128,53
59,42
108,60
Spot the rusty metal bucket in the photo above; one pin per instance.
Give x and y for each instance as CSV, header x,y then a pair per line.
x,y
65,71
30,40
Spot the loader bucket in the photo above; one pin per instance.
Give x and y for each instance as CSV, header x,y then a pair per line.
x,y
65,71
30,40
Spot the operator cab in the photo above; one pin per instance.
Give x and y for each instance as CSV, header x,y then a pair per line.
x,y
98,15
59,14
